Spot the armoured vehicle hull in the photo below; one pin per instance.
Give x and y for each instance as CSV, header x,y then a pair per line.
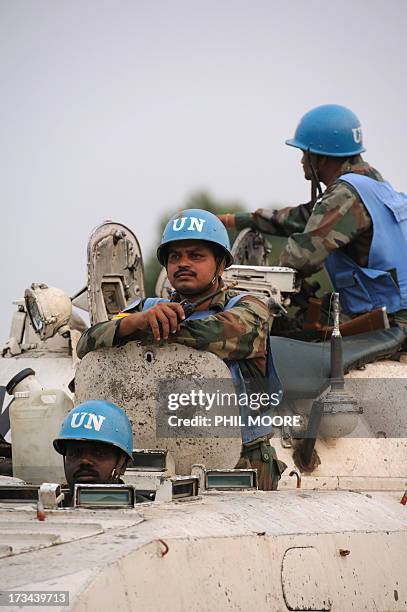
x,y
333,537
285,550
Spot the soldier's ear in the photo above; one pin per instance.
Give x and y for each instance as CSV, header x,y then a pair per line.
x,y
320,161
221,266
122,464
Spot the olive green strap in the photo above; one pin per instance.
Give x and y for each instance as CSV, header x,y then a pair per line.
x,y
263,457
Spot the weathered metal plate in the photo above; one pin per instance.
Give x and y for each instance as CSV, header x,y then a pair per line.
x,y
303,580
20,531
250,248
163,287
254,278
115,271
226,550
130,376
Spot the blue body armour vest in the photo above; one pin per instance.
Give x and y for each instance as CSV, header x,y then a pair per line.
x,y
272,384
384,281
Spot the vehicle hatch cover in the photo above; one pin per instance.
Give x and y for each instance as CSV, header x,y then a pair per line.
x,y
115,271
250,248
303,580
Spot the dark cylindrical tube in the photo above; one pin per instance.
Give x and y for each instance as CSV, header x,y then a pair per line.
x,y
308,444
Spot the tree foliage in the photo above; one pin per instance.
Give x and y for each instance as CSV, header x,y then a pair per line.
x,y
198,199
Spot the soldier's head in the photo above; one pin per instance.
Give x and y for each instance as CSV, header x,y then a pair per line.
x,y
327,135
96,441
195,250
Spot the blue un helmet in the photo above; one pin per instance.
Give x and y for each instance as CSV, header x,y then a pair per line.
x,y
96,421
195,224
329,130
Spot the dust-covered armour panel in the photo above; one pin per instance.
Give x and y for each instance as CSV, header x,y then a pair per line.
x,y
130,376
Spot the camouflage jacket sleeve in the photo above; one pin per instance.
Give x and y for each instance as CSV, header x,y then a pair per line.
x,y
280,222
337,218
238,333
101,335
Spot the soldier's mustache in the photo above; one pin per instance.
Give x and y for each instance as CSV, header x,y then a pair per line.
x,y
184,271
85,472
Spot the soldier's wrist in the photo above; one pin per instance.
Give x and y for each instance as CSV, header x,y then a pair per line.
x,y
131,324
243,220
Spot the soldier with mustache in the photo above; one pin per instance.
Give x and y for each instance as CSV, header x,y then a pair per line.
x,y
195,250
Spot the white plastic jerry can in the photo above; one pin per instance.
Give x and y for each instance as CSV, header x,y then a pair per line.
x,y
36,417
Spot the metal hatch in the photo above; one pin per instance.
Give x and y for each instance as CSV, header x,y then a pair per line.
x,y
21,531
115,271
303,578
251,248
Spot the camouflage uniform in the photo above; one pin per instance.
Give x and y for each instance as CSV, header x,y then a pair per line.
x,y
239,333
339,219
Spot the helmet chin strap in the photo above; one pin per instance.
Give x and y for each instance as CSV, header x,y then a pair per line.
x,y
215,276
316,189
210,284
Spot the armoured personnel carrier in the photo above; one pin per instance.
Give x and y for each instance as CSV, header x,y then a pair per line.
x,y
333,537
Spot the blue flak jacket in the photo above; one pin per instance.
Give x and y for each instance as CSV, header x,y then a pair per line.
x,y
384,281
250,431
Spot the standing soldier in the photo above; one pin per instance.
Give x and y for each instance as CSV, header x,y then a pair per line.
x,y
357,227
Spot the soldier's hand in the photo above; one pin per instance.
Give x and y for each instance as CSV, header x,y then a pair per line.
x,y
228,220
165,315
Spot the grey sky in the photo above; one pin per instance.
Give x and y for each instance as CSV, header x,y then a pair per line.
x,y
120,109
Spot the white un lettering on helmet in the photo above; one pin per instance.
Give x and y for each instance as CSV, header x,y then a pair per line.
x,y
194,224
357,134
88,420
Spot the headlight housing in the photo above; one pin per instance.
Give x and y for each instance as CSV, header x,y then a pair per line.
x,y
49,309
